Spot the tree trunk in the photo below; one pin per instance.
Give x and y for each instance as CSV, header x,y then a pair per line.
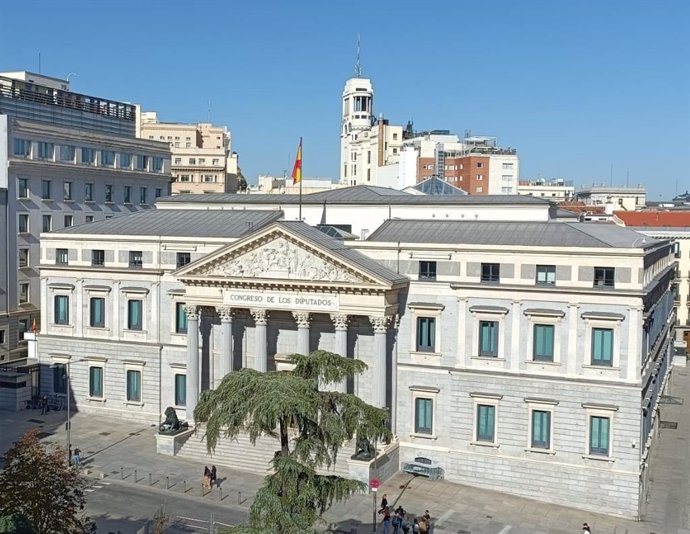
x,y
284,443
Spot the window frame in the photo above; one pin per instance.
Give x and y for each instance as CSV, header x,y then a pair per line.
x,y
176,392
46,189
136,259
129,398
93,319
178,255
428,269
59,253
24,253
490,273
179,325
49,219
21,227
418,428
67,190
599,362
495,338
92,393
547,270
534,443
24,296
431,334
60,378
134,325
605,282
61,317
88,192
23,188
489,401
540,357
97,257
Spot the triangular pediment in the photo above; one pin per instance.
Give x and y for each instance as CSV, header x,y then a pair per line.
x,y
276,254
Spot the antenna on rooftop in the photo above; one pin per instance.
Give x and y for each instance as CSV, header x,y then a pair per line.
x,y
39,62
209,110
358,65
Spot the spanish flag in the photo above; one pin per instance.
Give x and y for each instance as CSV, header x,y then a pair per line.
x,y
297,169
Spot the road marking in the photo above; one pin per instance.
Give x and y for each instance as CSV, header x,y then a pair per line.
x,y
106,483
89,489
445,516
96,487
505,529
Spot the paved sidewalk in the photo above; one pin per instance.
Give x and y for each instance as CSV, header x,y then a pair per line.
x,y
124,453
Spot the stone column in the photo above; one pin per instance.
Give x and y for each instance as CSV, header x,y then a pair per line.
x,y
226,315
340,323
192,390
303,320
380,378
261,349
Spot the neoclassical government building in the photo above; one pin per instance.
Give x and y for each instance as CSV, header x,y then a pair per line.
x,y
516,352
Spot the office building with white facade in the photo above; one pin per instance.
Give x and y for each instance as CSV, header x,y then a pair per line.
x,y
522,355
202,159
629,198
556,190
65,159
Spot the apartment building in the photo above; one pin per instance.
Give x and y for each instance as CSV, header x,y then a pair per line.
x,y
556,190
66,159
525,356
629,198
202,159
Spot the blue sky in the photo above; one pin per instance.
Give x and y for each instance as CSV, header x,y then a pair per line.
x,y
575,86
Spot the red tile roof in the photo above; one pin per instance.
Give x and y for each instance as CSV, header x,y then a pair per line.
x,y
676,219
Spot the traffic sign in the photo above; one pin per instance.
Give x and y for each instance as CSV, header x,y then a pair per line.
x,y
375,483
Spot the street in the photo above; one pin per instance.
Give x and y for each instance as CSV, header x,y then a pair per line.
x,y
123,508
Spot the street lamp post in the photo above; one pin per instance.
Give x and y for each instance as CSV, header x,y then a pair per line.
x,y
68,424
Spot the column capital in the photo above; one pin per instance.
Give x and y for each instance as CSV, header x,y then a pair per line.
x,y
379,323
303,319
260,315
192,311
226,313
340,320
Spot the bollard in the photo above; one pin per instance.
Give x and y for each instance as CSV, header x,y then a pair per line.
x,y
135,476
220,491
167,482
150,479
184,487
239,497
122,473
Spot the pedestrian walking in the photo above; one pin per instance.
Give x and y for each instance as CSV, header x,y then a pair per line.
x,y
76,457
384,504
214,475
386,520
415,526
206,480
423,525
44,405
586,529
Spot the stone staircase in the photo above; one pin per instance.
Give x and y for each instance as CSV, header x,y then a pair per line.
x,y
239,453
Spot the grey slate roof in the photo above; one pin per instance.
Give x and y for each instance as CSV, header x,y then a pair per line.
x,y
179,223
339,249
545,234
436,186
358,194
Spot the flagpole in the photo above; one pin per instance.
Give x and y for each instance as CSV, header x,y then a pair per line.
x,y
301,153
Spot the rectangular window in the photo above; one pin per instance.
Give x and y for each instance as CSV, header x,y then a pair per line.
x,y
23,292
546,275
215,161
125,161
23,257
159,192
143,195
61,256
98,258
183,258
426,334
488,338
185,178
88,218
69,221
88,155
60,378
47,223
486,422
133,386
134,312
423,416
96,382
22,147
480,165
427,270
209,178
97,312
602,346
192,161
136,259
44,150
180,318
67,190
67,153
543,342
107,158
142,162
180,390
541,429
178,161
3,337
604,277
108,193
491,272
157,164
128,194
507,165
202,161
88,192
22,188
61,309
45,189
23,223
599,435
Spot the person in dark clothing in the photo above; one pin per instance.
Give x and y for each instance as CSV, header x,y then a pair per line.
x,y
384,503
214,475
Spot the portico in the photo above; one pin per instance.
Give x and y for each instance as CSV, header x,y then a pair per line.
x,y
287,290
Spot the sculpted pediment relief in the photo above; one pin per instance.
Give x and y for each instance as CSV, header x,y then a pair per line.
x,y
280,259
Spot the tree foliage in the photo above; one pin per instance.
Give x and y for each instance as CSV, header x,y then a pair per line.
x,y
311,423
37,484
15,524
